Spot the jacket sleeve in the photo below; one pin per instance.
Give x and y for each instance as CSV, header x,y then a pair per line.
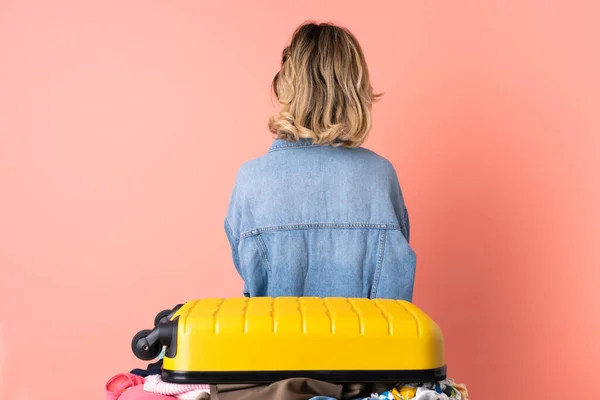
x,y
398,202
233,243
405,226
233,236
398,264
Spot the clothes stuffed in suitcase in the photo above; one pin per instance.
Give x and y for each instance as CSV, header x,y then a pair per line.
x,y
264,340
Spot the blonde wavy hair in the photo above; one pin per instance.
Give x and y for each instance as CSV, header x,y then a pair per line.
x,y
323,88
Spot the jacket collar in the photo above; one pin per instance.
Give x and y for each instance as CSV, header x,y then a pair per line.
x,y
279,144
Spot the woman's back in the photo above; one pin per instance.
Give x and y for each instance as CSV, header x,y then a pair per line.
x,y
318,215
307,220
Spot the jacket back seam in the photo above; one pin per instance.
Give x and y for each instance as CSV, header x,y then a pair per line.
x,y
378,267
262,249
323,225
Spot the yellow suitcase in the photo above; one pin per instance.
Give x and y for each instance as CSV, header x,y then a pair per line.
x,y
263,340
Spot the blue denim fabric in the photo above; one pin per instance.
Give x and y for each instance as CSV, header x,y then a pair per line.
x,y
307,220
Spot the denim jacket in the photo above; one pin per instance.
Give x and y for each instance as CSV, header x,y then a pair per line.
x,y
308,220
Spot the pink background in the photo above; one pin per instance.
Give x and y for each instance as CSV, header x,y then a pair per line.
x,y
122,125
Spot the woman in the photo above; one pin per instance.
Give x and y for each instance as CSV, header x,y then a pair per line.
x,y
318,215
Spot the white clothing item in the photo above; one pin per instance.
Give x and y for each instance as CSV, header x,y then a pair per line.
x,y
155,384
427,394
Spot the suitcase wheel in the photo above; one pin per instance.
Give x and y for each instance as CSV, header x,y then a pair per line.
x,y
162,317
144,350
